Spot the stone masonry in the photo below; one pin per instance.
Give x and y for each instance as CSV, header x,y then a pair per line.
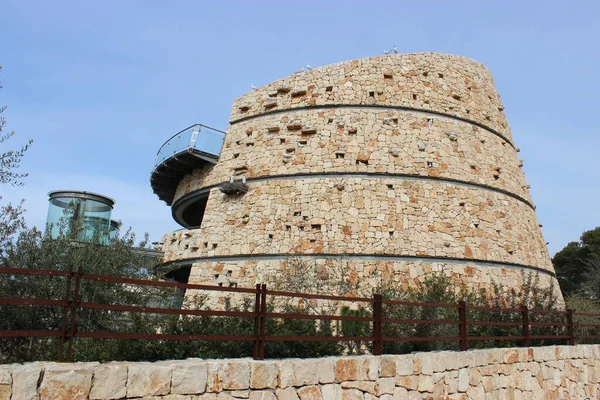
x,y
562,372
401,164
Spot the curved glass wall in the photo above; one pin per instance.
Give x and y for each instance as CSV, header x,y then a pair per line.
x,y
114,230
84,215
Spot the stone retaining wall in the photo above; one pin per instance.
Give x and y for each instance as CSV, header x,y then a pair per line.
x,y
560,372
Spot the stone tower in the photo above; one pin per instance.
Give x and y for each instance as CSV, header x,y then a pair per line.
x,y
402,164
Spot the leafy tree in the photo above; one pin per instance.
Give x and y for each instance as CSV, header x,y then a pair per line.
x,y
10,159
33,250
576,261
11,217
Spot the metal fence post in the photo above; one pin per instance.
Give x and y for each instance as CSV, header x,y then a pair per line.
x,y
570,328
63,338
377,324
525,320
263,322
462,325
74,305
257,299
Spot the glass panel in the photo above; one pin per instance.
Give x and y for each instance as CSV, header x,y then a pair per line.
x,y
195,137
89,217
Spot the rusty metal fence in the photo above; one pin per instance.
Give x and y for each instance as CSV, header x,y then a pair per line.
x,y
71,303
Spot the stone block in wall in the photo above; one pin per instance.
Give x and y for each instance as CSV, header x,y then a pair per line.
x,y
189,377
228,375
425,383
5,384
409,382
352,394
463,380
356,368
332,392
404,366
286,374
25,381
264,375
423,364
288,393
400,393
310,393
306,372
146,379
384,386
66,382
363,386
109,382
326,370
262,395
387,366
544,354
447,361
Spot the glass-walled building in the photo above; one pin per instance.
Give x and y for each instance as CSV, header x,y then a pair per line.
x,y
87,214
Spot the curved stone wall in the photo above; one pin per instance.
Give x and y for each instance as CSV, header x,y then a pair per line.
x,y
371,215
346,140
407,157
441,83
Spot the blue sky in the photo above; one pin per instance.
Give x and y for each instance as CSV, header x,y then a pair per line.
x,y
100,86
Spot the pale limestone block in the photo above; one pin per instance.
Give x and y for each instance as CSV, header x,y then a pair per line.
x,y
400,394
224,396
109,382
408,382
543,354
262,395
326,370
228,375
5,384
286,375
352,394
474,376
385,386
414,395
370,367
459,396
500,381
288,393
331,392
189,377
25,382
387,366
264,375
405,366
145,379
66,382
425,383
310,393
306,372
363,386
440,390
439,376
423,364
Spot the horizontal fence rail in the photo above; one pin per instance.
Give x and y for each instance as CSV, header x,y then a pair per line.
x,y
71,304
